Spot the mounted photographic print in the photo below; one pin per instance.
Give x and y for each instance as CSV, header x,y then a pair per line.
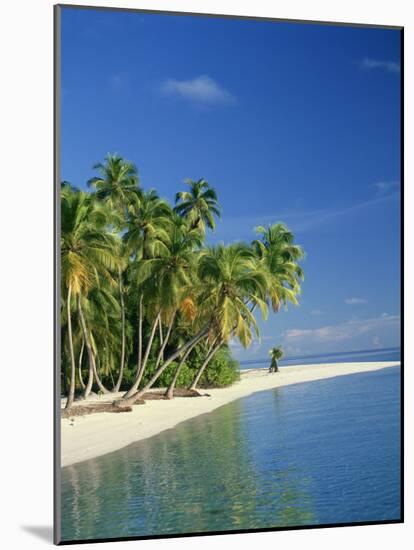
x,y
228,274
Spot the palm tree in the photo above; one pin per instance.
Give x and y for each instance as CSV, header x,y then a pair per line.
x,y
199,205
275,353
171,276
147,231
101,310
229,279
86,255
147,226
124,258
232,283
279,257
117,183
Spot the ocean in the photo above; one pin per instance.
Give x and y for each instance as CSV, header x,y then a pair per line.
x,y
386,354
313,453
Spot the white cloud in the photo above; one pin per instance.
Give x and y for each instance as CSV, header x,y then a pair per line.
x,y
383,187
202,89
295,350
342,331
355,301
299,221
389,66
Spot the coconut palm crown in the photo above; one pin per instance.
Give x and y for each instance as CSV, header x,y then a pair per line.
x,y
279,257
117,183
199,205
232,284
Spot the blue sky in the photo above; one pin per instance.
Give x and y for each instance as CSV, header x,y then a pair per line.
x,y
289,122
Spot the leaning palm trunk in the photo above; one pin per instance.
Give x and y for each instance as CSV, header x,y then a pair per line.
x,y
121,368
161,340
71,394
140,315
97,377
126,402
89,383
82,383
165,340
133,389
169,394
212,351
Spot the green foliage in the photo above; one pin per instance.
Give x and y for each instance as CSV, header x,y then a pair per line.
x,y
199,205
231,285
222,371
128,377
276,352
187,373
137,275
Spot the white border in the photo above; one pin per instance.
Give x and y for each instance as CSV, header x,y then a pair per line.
x,y
26,117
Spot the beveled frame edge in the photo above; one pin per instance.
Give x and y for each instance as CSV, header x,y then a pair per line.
x,y
56,278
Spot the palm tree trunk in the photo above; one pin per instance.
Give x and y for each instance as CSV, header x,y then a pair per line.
x,y
111,375
97,377
165,340
274,366
91,358
89,383
169,394
65,379
126,402
213,349
82,383
121,367
71,394
64,374
139,361
161,340
138,378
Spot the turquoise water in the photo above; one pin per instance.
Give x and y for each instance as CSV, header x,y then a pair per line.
x,y
312,453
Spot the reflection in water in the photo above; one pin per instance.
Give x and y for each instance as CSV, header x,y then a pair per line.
x,y
291,456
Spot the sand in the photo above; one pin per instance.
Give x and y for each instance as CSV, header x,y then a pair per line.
x,y
85,437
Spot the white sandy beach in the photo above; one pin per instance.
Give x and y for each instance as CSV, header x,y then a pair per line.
x,y
85,437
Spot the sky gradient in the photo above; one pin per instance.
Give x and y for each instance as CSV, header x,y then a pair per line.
x,y
289,122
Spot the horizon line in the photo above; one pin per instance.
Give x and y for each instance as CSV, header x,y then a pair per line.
x,y
288,358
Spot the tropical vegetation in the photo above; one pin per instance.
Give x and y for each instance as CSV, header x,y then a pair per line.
x,y
276,353
146,301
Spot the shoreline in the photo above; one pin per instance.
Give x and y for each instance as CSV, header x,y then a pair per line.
x,y
90,436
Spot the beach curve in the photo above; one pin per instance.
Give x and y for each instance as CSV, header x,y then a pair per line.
x,y
90,436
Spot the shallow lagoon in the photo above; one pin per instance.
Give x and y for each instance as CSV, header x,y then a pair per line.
x,y
312,453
